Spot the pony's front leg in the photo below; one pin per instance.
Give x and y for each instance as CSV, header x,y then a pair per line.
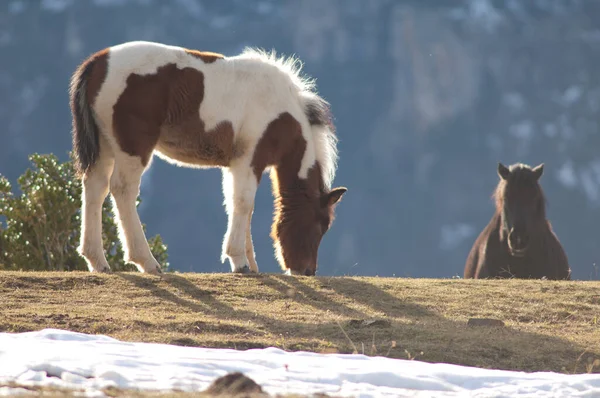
x,y
250,246
239,189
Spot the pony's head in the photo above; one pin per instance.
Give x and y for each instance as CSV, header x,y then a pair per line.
x,y
301,221
521,204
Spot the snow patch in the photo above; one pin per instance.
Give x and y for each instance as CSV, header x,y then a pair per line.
x,y
91,362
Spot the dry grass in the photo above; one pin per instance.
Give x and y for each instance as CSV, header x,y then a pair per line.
x,y
550,326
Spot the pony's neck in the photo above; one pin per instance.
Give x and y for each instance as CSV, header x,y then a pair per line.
x,y
293,193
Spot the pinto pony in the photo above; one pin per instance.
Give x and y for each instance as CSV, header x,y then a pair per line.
x,y
242,114
519,241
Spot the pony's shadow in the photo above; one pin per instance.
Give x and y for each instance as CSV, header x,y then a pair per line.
x,y
377,298
207,302
302,293
203,300
425,328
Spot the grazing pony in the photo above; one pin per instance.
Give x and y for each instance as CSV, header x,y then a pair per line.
x,y
242,114
518,242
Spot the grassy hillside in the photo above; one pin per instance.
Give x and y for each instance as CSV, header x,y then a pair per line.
x,y
549,326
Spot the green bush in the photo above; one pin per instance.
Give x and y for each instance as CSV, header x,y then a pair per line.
x,y
42,226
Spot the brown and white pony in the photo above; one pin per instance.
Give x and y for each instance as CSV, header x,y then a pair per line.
x,y
243,114
518,242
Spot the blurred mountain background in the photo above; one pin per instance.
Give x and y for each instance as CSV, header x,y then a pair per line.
x,y
427,95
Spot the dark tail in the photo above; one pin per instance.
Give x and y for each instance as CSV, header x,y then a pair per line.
x,y
86,135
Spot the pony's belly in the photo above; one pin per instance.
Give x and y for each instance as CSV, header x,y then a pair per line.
x,y
191,145
181,158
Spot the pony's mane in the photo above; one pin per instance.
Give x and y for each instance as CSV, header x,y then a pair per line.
x,y
316,108
290,65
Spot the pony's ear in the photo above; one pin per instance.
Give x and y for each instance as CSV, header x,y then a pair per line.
x,y
538,171
335,195
503,171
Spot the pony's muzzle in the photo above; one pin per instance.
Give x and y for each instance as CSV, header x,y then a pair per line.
x,y
306,272
517,243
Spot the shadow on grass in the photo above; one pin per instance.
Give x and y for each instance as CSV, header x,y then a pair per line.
x,y
412,329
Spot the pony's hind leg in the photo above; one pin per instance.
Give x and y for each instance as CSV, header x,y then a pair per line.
x,y
239,188
250,246
95,185
125,188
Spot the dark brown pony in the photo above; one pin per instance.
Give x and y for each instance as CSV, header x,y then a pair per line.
x,y
519,241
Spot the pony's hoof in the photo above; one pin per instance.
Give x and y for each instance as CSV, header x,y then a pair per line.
x,y
150,267
244,270
155,271
101,270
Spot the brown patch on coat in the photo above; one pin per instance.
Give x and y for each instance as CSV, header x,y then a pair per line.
x,y
302,211
206,56
162,111
281,144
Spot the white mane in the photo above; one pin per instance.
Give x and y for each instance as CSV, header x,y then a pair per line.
x,y
325,140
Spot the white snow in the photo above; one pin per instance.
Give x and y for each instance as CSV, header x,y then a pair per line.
x,y
91,362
